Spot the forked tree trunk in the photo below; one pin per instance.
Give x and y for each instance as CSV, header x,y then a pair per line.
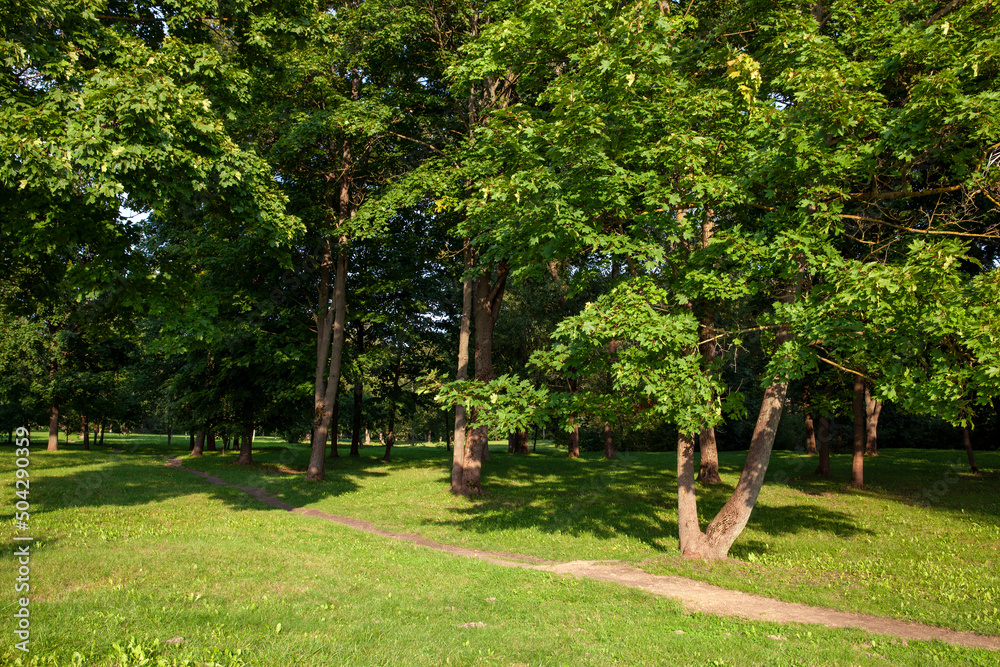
x,y
486,310
53,429
858,460
321,425
199,444
873,409
717,539
325,391
609,441
458,453
246,447
86,432
967,441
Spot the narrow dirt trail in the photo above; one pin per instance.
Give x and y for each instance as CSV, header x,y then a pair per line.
x,y
694,595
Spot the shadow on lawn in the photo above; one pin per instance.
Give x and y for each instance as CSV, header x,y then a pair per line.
x,y
137,475
629,496
938,480
634,495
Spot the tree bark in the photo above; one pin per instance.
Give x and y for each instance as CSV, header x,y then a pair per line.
x,y
810,434
199,444
858,461
717,539
609,442
518,442
727,525
324,407
873,409
210,441
321,426
170,434
574,439
191,441
53,429
246,447
458,453
86,432
486,310
967,441
101,439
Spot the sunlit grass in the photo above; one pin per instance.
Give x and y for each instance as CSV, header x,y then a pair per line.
x,y
130,551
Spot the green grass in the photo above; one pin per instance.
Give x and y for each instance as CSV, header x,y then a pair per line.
x,y
131,551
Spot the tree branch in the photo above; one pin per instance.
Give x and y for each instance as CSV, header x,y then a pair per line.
x,y
920,231
944,11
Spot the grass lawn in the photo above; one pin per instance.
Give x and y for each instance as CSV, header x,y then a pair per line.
x,y
132,553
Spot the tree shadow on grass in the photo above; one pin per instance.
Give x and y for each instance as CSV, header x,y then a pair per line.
x,y
140,477
939,480
631,496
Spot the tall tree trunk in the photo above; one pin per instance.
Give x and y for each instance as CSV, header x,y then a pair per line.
x,y
873,409
609,442
458,453
210,441
199,444
324,407
53,429
170,433
86,432
321,427
967,441
101,439
246,446
708,471
858,461
324,317
486,310
810,434
191,441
